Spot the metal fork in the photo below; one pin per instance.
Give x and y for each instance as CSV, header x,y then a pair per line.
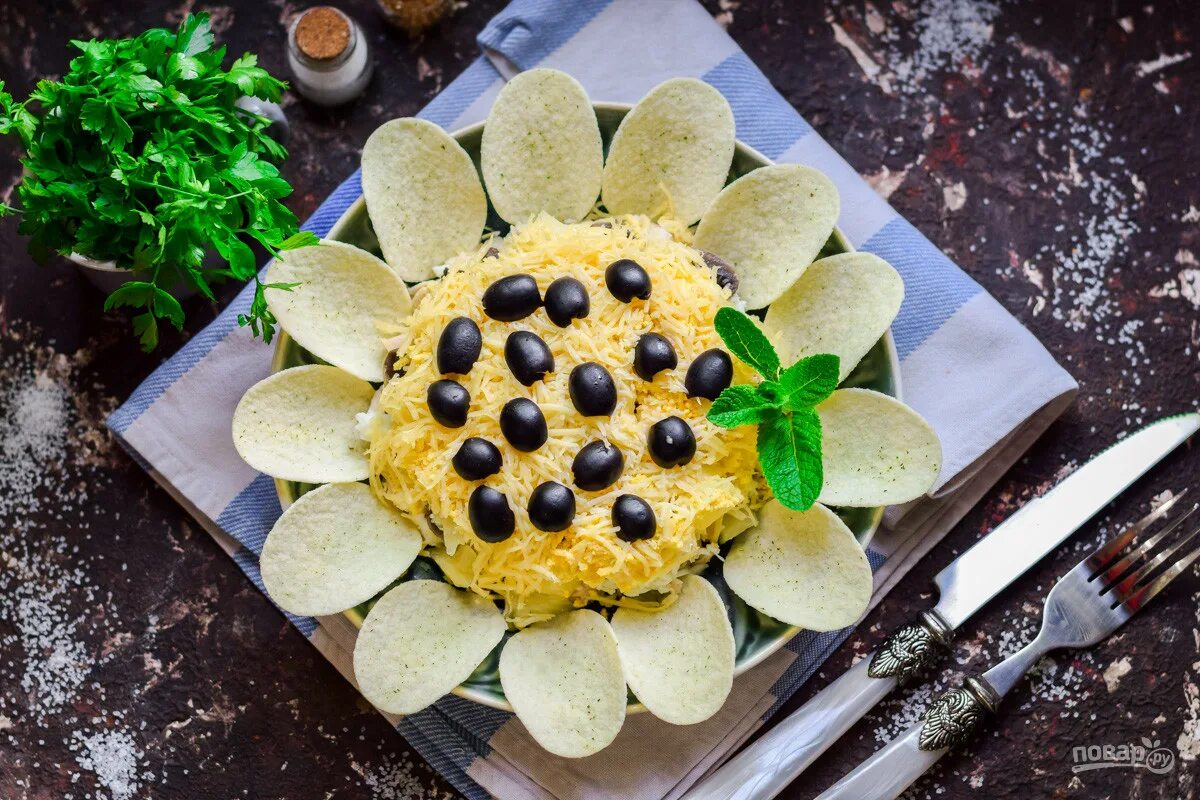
x,y
1090,602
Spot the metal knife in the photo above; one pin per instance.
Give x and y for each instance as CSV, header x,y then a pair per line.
x,y
768,765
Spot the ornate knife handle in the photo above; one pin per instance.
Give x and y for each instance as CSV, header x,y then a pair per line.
x,y
952,720
768,765
911,649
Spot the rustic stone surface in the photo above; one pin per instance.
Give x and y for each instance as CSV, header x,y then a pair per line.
x,y
1051,149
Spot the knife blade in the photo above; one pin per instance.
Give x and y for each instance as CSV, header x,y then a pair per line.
x,y
1022,540
768,765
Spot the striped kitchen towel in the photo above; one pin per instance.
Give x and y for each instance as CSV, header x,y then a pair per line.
x,y
982,380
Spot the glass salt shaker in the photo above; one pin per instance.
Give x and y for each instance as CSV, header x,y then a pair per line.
x,y
329,56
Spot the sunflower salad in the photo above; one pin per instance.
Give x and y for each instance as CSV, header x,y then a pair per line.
x,y
572,415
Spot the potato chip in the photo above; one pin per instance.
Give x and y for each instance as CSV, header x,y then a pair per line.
x,y
298,425
423,196
679,661
840,305
420,640
770,224
804,568
564,680
671,153
541,148
875,451
345,301
335,547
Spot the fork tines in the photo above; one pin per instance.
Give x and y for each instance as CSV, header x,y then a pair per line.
x,y
1133,575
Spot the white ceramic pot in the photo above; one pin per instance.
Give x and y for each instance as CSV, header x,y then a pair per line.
x,y
108,277
104,275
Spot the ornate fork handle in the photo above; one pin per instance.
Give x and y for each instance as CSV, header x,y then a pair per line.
x,y
768,765
954,717
950,721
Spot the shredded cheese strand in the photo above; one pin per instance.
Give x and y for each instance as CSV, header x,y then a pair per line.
x,y
539,574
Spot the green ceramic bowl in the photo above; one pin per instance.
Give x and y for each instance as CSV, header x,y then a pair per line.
x,y
756,635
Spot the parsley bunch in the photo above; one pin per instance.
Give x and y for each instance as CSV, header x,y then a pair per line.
x,y
782,406
140,156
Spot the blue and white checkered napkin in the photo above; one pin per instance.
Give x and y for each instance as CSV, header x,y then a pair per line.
x,y
987,386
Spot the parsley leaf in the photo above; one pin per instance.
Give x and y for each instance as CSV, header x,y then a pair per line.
x,y
746,341
789,450
138,155
298,240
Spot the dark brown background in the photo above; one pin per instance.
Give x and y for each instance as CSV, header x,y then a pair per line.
x,y
1050,148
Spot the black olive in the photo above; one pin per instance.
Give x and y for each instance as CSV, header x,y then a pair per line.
x,y
552,507
709,374
522,423
491,253
725,275
389,365
592,390
652,354
633,518
566,299
490,515
597,466
671,442
476,459
459,346
448,402
528,357
512,298
626,280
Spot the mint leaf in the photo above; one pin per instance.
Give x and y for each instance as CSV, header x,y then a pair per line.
x,y
739,405
809,381
746,341
789,450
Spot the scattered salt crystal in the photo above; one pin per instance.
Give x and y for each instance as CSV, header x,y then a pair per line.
x,y
113,757
396,779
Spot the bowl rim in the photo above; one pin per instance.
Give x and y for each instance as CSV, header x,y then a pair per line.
x,y
284,342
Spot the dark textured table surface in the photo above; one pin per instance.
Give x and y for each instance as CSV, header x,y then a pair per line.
x,y
1050,148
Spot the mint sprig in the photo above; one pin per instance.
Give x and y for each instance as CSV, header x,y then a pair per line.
x,y
782,406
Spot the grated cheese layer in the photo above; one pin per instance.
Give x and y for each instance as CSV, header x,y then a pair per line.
x,y
539,574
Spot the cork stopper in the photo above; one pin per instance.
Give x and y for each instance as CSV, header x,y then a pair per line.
x,y
322,33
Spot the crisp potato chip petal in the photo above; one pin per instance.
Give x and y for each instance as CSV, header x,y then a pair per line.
x,y
541,148
875,450
770,224
420,640
335,547
423,196
671,153
841,305
564,680
801,567
679,661
299,425
345,300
